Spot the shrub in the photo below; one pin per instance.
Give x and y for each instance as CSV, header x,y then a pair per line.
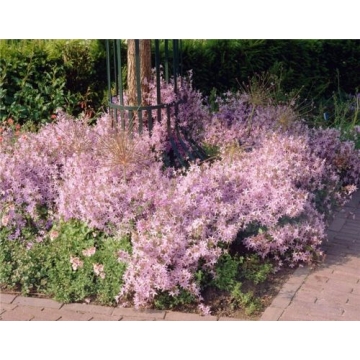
x,y
31,85
318,67
39,76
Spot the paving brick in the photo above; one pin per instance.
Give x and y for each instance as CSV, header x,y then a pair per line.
x,y
352,271
303,295
353,202
282,300
137,318
354,300
327,309
344,278
337,224
338,297
6,307
46,315
313,287
94,309
356,289
229,319
21,313
352,309
7,298
332,260
352,261
271,314
332,302
351,315
353,222
343,243
129,312
339,286
323,271
74,316
349,262
356,213
347,236
291,316
344,213
178,316
292,285
302,271
351,229
99,317
339,252
296,310
331,234
316,280
37,302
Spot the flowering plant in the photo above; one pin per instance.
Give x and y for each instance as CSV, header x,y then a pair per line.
x,y
270,185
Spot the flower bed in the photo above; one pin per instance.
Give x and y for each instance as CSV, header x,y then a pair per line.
x,y
105,217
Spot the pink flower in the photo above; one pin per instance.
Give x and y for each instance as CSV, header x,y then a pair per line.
x,y
204,310
123,256
89,252
53,234
99,270
5,220
76,263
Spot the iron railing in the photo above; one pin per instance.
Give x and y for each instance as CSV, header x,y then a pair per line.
x,y
166,58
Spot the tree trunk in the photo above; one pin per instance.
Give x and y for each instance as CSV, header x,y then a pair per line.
x,y
145,71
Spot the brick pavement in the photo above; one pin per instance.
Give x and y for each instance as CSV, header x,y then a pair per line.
x,y
20,308
330,292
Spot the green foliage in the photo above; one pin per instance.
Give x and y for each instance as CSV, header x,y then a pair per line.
x,y
85,69
255,269
164,301
233,271
46,267
20,268
341,111
39,76
316,66
31,85
212,151
227,272
247,300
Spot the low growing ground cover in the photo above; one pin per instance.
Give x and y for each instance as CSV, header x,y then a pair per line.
x,y
92,213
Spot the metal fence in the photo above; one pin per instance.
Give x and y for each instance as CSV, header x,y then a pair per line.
x,y
166,61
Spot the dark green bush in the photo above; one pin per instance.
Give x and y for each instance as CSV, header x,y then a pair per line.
x,y
317,66
31,85
39,76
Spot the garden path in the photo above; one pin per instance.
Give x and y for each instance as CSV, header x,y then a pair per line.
x,y
331,291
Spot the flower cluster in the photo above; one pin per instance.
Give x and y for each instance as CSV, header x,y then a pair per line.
x,y
89,252
76,263
99,270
